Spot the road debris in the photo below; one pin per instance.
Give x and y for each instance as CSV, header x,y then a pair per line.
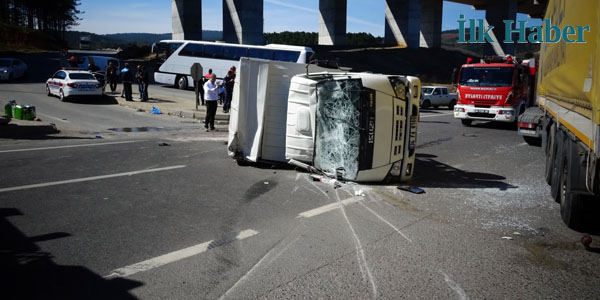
x,y
359,193
164,144
507,238
156,111
412,189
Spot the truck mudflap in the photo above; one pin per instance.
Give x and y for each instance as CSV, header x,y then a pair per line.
x,y
530,122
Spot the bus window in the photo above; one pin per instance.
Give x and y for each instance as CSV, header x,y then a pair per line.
x,y
260,53
289,56
234,53
212,51
192,50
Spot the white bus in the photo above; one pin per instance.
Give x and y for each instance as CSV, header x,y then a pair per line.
x,y
219,57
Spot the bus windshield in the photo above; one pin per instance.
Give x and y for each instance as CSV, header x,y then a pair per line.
x,y
487,76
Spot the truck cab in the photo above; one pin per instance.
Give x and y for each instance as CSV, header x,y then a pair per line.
x,y
496,89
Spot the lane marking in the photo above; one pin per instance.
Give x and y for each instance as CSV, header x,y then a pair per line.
x,y
174,256
55,118
329,207
70,146
387,222
436,115
462,295
522,144
39,185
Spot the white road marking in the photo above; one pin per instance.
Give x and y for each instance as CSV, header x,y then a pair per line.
x,y
329,207
360,252
436,115
39,185
522,144
462,295
294,190
70,146
55,118
318,188
387,222
171,257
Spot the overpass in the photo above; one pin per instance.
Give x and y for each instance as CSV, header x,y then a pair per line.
x,y
408,23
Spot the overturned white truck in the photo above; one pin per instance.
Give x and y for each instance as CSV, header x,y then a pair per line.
x,y
360,126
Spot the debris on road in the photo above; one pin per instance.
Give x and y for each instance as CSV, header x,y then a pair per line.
x,y
507,238
359,193
164,144
156,111
98,136
412,189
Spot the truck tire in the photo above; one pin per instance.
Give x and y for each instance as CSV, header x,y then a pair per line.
x,y
466,122
532,141
550,152
426,104
557,165
451,105
572,209
181,82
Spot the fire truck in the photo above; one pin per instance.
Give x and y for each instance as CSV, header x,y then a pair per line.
x,y
495,89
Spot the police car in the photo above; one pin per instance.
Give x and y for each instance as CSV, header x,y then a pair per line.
x,y
71,83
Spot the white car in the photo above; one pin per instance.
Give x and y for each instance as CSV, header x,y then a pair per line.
x,y
437,96
12,68
70,83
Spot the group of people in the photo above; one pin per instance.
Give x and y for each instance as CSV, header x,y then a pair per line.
x,y
213,91
127,77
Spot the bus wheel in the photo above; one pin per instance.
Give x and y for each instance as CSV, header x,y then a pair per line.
x,y
182,83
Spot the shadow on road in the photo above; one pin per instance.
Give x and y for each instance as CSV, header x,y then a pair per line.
x,y
104,100
29,273
495,125
433,173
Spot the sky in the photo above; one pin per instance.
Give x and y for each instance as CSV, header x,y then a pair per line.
x,y
154,16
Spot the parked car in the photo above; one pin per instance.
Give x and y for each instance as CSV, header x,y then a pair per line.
x,y
12,68
437,96
69,83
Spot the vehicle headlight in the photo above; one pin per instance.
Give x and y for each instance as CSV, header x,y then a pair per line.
x,y
4,71
396,168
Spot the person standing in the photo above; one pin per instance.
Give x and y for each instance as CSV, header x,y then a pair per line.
x,y
228,81
127,78
211,96
138,78
145,82
111,76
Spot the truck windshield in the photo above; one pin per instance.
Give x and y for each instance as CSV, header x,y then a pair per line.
x,y
487,76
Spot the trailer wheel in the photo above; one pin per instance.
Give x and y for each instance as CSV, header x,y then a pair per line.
x,y
557,163
550,152
572,209
466,122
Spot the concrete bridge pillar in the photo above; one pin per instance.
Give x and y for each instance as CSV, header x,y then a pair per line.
x,y
431,23
403,23
186,19
243,21
496,12
332,22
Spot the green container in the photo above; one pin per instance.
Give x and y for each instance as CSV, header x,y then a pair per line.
x,y
17,112
8,110
28,113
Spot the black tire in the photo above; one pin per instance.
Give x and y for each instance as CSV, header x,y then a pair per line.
x,y
572,209
557,165
466,122
533,141
452,104
181,83
550,152
48,91
426,104
61,96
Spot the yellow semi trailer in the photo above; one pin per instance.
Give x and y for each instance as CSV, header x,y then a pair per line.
x,y
567,120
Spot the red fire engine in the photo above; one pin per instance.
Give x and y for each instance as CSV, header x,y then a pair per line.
x,y
496,89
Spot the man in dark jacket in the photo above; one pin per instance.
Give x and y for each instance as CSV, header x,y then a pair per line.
x,y
143,81
111,76
127,78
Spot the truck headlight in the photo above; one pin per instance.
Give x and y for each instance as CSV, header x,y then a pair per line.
x,y
396,168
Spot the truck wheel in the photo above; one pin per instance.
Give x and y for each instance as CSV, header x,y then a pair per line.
x,y
466,122
451,105
182,83
550,152
532,141
426,104
572,209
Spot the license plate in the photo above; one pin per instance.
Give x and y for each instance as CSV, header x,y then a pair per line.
x,y
483,111
86,87
527,131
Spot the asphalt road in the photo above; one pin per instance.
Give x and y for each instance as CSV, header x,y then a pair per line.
x,y
121,217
